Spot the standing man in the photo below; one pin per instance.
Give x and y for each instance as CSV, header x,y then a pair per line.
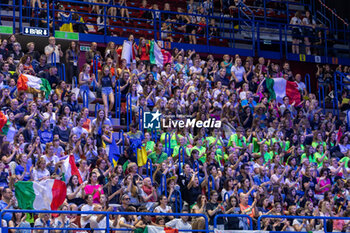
x,y
52,48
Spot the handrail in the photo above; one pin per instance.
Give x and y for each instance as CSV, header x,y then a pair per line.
x,y
321,101
141,119
163,185
149,169
318,13
213,185
97,107
85,99
225,195
181,152
128,111
336,83
108,228
178,194
95,69
308,82
118,100
121,136
324,218
75,82
167,144
348,120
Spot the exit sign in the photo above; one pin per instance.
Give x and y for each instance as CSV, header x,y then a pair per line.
x,y
31,31
85,48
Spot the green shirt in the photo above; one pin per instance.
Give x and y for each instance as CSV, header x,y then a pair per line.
x,y
157,159
318,156
173,141
346,160
150,146
311,158
238,141
315,144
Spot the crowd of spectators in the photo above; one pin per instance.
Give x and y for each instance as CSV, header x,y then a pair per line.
x,y
267,158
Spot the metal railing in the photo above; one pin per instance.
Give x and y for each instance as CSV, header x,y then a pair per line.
x,y
108,227
338,87
324,218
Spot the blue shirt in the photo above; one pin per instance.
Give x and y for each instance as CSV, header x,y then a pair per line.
x,y
46,136
20,169
6,216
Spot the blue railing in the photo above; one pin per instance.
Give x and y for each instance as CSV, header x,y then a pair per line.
x,y
167,144
308,83
128,111
108,227
141,119
302,217
97,107
163,185
121,136
118,100
321,98
338,89
210,178
149,169
181,158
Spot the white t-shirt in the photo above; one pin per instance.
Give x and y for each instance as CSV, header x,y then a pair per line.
x,y
196,70
239,72
79,131
38,174
177,223
295,21
301,86
159,209
85,208
102,224
54,159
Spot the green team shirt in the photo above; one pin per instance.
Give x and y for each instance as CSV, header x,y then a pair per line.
x,y
177,149
315,144
150,146
173,141
311,158
157,159
346,160
318,156
238,141
268,156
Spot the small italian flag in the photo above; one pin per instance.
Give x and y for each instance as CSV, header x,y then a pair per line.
x,y
69,168
279,88
34,84
154,229
158,56
3,122
45,195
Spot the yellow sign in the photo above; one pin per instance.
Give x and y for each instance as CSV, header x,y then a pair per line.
x,y
302,57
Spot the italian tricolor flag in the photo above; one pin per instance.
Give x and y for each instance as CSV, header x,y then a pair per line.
x,y
69,168
3,121
279,88
48,194
154,229
31,83
158,56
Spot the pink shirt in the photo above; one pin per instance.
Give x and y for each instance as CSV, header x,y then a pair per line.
x,y
322,184
89,189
